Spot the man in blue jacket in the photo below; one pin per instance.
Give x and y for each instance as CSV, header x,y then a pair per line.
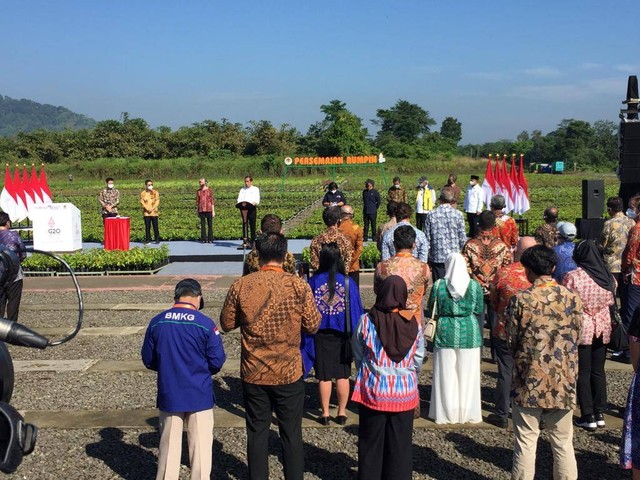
x,y
370,203
185,348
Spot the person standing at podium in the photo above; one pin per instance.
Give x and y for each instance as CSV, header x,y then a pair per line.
x,y
250,194
109,199
150,200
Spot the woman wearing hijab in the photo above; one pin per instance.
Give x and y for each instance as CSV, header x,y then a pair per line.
x,y
329,292
455,394
595,286
388,348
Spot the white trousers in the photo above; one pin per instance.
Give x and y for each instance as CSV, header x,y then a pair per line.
x,y
455,392
200,437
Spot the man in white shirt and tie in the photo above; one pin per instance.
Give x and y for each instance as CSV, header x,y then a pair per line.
x,y
250,194
473,204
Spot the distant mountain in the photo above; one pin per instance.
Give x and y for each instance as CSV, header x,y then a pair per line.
x,y
26,115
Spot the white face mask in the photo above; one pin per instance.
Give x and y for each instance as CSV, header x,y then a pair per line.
x,y
333,191
472,183
631,213
109,185
149,187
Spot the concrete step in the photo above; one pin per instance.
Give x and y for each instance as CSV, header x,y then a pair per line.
x,y
231,365
145,418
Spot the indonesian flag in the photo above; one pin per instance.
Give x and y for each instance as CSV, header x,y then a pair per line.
x,y
28,190
44,186
21,198
523,189
489,183
508,187
496,175
8,197
35,186
513,176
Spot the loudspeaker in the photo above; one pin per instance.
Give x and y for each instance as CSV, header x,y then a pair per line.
x,y
592,198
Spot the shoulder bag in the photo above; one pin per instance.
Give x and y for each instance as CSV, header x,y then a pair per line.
x,y
432,324
619,331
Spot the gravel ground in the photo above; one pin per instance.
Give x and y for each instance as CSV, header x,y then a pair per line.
x,y
331,453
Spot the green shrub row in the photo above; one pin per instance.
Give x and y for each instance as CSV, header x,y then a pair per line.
x,y
99,260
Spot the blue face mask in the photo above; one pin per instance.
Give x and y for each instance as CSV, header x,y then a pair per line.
x,y
631,213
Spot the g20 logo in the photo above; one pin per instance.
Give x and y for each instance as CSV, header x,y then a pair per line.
x,y
54,231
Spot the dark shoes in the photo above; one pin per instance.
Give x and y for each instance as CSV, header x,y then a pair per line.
x,y
341,419
588,422
324,420
498,420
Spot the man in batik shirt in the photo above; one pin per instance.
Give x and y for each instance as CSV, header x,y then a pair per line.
x,y
506,228
547,233
485,255
543,330
509,280
396,192
444,230
355,235
331,217
414,272
614,237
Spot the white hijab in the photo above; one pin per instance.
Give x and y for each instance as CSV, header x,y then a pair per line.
x,y
456,275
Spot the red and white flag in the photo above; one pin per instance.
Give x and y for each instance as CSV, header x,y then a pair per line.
x,y
35,186
523,189
44,187
28,191
513,176
498,189
21,198
8,198
508,186
489,183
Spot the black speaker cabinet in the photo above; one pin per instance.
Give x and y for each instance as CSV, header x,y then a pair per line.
x,y
592,198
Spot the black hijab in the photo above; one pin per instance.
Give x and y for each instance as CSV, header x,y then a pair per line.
x,y
587,256
396,332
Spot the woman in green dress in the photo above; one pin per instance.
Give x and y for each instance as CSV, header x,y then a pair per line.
x,y
455,393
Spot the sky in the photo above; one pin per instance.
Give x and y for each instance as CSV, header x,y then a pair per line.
x,y
499,67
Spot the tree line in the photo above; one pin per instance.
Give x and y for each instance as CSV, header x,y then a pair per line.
x,y
405,130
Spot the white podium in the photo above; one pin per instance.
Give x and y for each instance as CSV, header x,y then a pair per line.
x,y
56,227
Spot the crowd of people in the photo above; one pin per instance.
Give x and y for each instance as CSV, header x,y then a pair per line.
x,y
546,300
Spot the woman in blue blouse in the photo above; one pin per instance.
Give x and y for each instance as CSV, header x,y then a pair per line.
x,y
328,286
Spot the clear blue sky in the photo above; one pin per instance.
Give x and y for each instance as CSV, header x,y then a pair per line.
x,y
499,67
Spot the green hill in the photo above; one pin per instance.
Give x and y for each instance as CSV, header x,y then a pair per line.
x,y
26,115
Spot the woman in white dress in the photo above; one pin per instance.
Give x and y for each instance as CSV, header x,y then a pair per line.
x,y
455,393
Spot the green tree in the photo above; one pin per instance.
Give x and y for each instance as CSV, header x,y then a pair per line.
x,y
452,129
340,133
404,122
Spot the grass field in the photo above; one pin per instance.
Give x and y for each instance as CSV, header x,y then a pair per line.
x,y
179,221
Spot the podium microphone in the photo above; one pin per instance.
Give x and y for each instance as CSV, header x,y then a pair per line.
x,y
17,334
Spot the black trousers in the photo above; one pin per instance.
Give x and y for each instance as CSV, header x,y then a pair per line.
x,y
370,220
355,276
251,219
206,235
592,381
148,221
504,360
472,219
437,270
384,445
287,401
10,296
420,219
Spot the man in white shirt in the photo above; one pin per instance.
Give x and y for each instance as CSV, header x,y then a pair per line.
x,y
473,204
250,194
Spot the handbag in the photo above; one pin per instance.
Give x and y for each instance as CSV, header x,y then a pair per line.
x,y
431,325
346,352
619,331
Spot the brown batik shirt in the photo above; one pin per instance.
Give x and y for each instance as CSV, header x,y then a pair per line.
x,y
272,309
543,328
330,235
613,240
547,234
485,255
355,234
